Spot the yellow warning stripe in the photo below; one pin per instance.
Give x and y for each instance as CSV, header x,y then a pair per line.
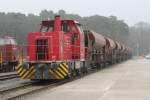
x,y
66,65
54,74
58,77
31,74
19,70
24,70
63,68
62,71
51,75
59,74
18,66
25,75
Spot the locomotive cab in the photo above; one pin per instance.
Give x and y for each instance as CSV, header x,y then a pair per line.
x,y
57,40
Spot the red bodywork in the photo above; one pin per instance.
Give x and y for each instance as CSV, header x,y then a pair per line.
x,y
9,50
61,40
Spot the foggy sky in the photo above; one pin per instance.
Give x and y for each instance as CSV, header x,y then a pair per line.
x,y
131,11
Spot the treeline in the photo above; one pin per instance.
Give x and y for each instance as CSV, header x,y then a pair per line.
x,y
18,24
139,38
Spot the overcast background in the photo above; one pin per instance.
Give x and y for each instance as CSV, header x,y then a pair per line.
x,y
131,11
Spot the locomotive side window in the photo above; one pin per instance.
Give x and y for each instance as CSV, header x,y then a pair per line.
x,y
47,29
65,27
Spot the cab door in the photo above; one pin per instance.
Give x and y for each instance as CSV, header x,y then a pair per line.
x,y
43,48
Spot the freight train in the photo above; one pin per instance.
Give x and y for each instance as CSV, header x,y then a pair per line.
x,y
62,49
9,50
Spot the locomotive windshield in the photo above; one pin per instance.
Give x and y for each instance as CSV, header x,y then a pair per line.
x,y
65,26
48,26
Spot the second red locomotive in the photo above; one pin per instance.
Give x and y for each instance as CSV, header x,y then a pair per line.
x,y
63,49
9,54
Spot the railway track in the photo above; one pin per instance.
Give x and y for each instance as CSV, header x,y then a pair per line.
x,y
8,76
32,87
18,92
9,89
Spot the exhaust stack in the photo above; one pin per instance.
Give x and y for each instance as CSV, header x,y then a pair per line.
x,y
57,23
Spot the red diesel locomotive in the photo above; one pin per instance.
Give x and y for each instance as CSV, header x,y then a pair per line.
x,y
9,54
63,49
